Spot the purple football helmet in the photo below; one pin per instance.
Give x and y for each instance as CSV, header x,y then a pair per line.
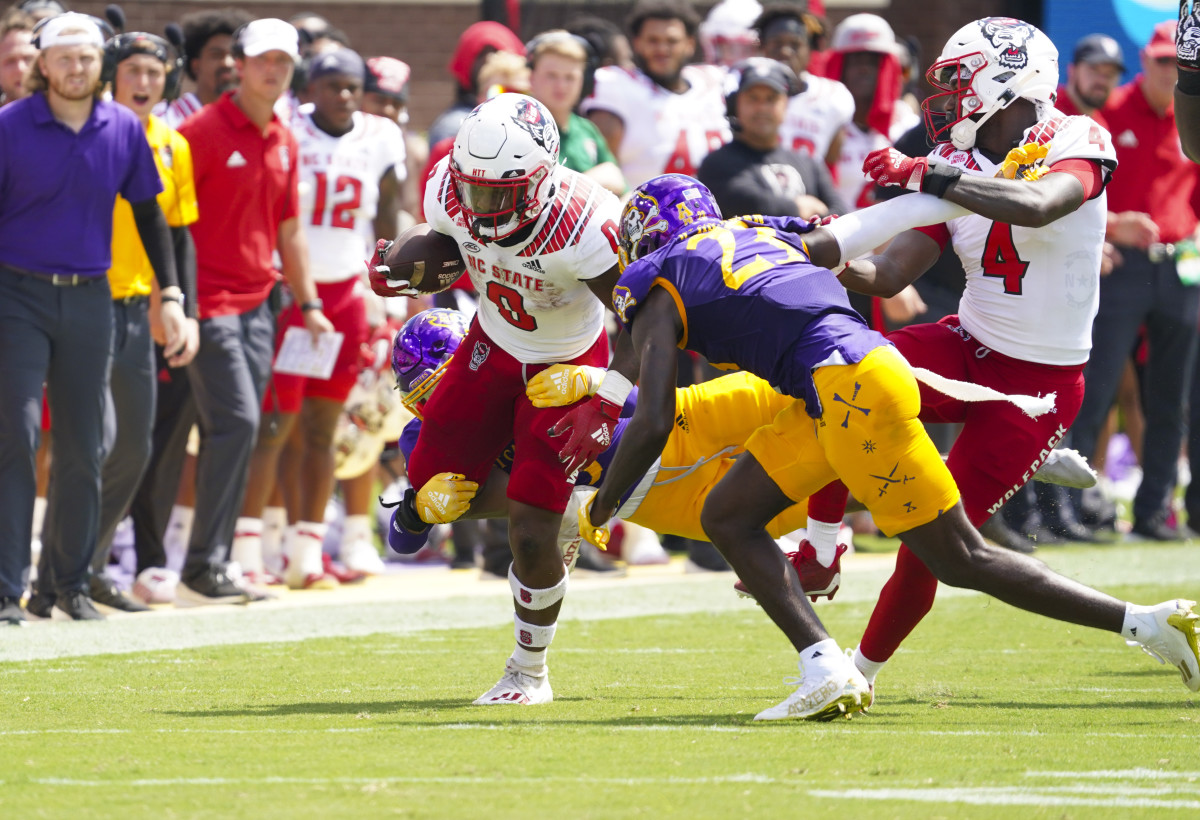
x,y
660,210
422,350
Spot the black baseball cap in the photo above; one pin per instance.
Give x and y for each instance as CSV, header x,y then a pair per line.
x,y
764,71
1098,49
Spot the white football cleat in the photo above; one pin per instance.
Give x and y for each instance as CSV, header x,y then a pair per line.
x,y
518,687
155,585
1067,468
361,556
1177,641
823,697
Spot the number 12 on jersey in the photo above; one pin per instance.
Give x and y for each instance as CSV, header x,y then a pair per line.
x,y
347,190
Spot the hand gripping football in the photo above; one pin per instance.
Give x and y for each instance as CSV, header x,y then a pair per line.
x,y
421,260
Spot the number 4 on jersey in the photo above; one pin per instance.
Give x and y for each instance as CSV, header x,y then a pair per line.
x,y
1001,260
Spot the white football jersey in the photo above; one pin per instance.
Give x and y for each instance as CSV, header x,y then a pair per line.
x,y
339,189
173,113
533,300
665,133
856,187
1032,292
816,115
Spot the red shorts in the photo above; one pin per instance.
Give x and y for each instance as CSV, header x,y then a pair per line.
x,y
1000,448
479,407
345,307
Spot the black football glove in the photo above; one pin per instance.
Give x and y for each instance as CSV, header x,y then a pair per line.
x,y
1187,35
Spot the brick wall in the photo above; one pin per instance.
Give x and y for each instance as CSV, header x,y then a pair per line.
x,y
424,34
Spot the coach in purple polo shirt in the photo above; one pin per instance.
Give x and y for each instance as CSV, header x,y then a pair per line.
x,y
66,155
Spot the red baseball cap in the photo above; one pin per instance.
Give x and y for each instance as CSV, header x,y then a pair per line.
x,y
1162,42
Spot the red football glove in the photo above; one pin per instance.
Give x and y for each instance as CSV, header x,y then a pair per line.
x,y
591,424
889,168
380,274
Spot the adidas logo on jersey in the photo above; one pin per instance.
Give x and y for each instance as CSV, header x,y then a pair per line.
x,y
681,422
1127,139
236,160
533,265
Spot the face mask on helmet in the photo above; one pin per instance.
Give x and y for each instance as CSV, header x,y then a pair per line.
x,y
421,352
502,165
660,210
985,67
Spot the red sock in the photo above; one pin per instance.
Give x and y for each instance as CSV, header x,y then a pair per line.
x,y
828,504
905,599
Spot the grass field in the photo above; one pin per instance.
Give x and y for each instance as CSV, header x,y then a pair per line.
x,y
356,703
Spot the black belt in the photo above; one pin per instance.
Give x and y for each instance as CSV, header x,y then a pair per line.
x,y
61,280
132,299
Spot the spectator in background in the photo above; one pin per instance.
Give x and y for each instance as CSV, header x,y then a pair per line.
x,y
1095,71
208,60
246,185
755,174
727,35
386,95
665,116
39,10
1149,287
866,58
557,62
67,154
341,150
820,110
474,45
1187,88
16,54
143,72
608,42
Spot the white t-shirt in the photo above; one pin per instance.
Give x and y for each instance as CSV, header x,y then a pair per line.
x,y
816,115
665,133
533,300
339,189
1031,293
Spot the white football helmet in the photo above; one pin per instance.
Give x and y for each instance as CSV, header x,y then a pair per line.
x,y
503,164
727,34
982,69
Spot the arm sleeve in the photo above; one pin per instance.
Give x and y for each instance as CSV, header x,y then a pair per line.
x,y
185,268
1087,171
156,239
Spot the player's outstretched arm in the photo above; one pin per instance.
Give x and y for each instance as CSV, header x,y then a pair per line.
x,y
1009,201
903,261
655,334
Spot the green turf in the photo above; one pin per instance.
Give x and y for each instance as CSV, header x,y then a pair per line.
x,y
986,712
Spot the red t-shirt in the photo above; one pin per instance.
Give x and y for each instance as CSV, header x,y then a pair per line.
x,y
1154,176
246,185
1065,104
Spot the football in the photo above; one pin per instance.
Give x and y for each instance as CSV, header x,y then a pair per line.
x,y
430,261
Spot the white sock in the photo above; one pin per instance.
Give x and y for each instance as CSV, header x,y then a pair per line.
x,y
530,662
179,532
869,668
823,654
356,528
246,548
304,548
39,515
1140,623
274,522
823,536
